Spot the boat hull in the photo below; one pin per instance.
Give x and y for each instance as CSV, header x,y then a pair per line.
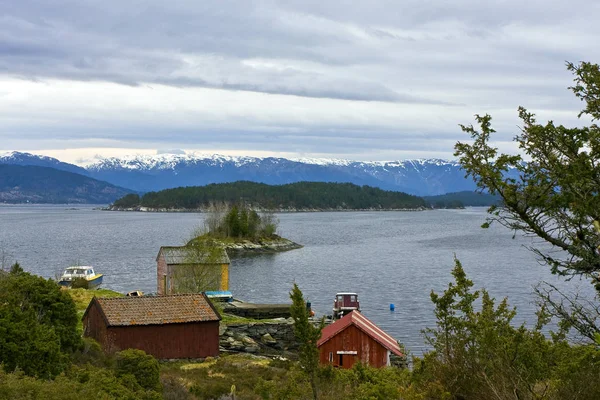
x,y
93,282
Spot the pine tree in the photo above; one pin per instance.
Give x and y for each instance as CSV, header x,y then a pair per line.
x,y
307,335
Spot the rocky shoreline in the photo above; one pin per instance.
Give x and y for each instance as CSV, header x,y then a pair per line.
x,y
260,246
276,210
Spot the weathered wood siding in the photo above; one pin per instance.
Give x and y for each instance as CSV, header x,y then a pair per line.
x,y
161,272
94,325
188,340
185,340
368,351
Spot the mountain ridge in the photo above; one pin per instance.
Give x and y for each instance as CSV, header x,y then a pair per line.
x,y
144,173
35,184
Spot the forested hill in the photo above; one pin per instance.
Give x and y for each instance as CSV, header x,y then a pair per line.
x,y
32,184
293,196
462,199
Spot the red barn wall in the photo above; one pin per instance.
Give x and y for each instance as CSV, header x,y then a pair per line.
x,y
185,340
94,325
368,350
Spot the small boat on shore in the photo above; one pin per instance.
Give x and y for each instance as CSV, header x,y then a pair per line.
x,y
87,273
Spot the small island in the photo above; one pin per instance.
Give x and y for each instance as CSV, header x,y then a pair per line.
x,y
241,230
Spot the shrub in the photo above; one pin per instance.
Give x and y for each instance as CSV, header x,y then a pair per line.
x,y
38,325
239,221
143,367
174,390
80,283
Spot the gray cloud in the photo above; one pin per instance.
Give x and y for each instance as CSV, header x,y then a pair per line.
x,y
198,44
436,62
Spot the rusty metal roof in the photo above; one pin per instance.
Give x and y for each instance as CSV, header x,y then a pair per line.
x,y
156,310
364,324
193,255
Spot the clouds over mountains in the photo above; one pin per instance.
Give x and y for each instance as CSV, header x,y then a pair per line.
x,y
302,77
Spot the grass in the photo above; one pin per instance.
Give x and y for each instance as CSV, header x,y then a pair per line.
x,y
238,240
236,319
82,297
216,377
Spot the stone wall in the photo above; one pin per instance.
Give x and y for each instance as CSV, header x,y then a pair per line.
x,y
268,338
258,311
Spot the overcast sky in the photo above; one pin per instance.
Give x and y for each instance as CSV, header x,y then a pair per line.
x,y
372,80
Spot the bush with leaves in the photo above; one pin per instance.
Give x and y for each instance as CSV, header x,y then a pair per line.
x,y
479,354
143,367
38,325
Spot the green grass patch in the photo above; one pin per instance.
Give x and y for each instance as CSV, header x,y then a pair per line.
x,y
216,377
82,297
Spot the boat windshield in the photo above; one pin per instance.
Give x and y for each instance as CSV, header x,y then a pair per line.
x,y
76,271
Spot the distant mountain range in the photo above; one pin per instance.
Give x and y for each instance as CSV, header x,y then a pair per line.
x,y
34,184
423,177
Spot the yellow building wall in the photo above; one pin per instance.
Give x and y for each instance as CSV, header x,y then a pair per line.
x,y
224,277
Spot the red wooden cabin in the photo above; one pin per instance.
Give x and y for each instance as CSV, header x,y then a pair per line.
x,y
179,326
355,338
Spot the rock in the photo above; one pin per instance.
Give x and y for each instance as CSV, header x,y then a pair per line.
x,y
236,344
267,339
251,349
249,341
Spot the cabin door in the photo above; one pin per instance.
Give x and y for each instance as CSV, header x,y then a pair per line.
x,y
346,359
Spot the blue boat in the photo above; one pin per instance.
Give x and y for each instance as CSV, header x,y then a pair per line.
x,y
82,272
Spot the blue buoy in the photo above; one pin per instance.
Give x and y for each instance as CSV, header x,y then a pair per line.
x,y
392,307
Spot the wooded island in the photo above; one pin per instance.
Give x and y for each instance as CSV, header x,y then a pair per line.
x,y
300,196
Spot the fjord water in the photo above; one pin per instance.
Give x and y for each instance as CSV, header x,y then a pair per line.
x,y
386,257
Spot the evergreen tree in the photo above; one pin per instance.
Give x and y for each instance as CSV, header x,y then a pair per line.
x,y
38,325
307,335
556,196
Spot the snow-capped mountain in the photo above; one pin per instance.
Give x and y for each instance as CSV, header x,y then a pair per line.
x,y
18,158
151,173
144,173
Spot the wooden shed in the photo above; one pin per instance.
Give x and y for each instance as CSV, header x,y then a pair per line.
x,y
178,326
355,338
190,269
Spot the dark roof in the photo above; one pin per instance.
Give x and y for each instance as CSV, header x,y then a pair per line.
x,y
156,310
187,255
361,322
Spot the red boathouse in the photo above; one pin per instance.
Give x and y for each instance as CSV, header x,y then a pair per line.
x,y
355,338
178,326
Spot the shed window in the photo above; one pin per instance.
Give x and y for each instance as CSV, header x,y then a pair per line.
x,y
331,356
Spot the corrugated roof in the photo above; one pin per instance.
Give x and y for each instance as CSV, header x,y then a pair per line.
x,y
191,255
156,310
364,324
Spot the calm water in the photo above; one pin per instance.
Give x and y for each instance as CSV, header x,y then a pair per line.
x,y
387,257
